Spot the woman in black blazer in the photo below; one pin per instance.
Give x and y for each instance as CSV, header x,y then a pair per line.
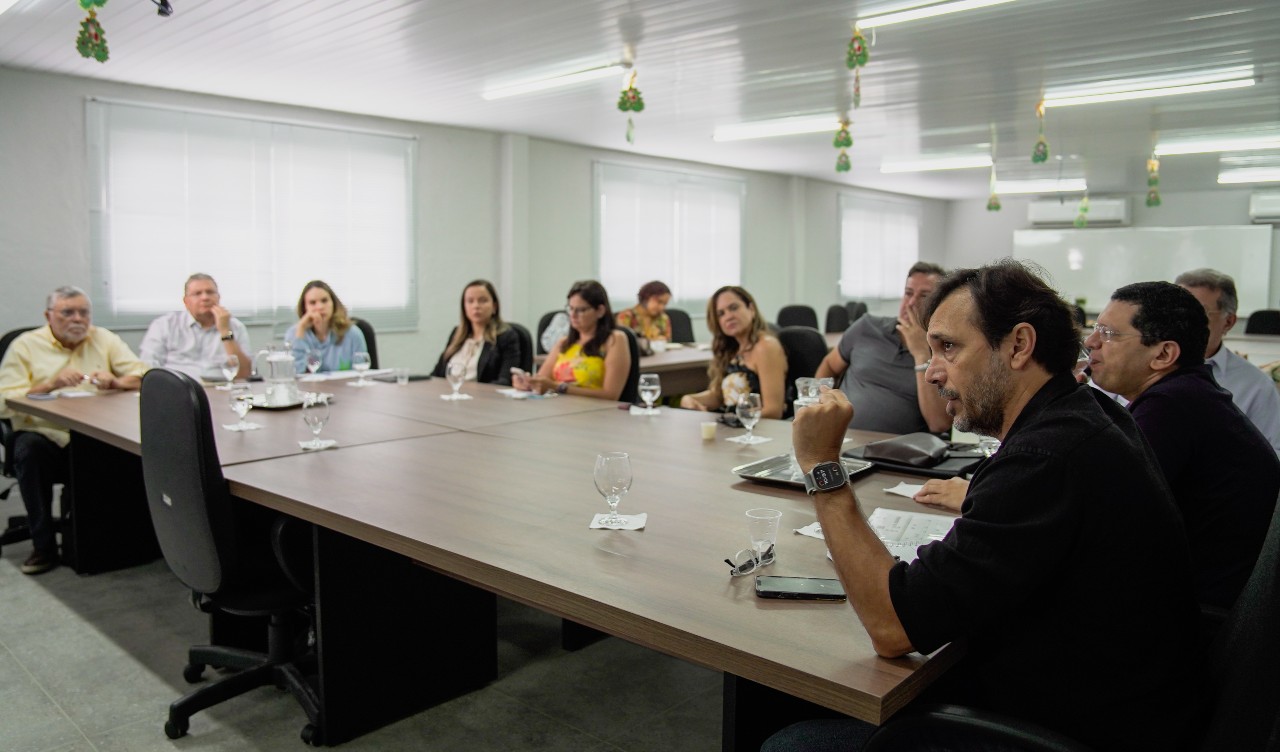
x,y
481,342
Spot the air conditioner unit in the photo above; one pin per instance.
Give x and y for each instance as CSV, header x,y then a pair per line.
x,y
1264,207
1103,212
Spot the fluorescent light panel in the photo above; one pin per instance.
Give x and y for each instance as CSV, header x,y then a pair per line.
x,y
927,11
550,82
1119,91
1048,185
1249,175
7,4
924,163
1210,145
792,126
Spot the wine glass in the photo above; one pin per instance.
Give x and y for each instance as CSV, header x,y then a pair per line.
x,y
313,362
613,479
762,526
360,362
455,373
315,413
229,366
650,390
748,409
241,404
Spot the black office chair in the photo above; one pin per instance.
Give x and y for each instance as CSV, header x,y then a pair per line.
x,y
681,326
1079,313
370,341
856,308
16,529
1266,321
210,553
631,389
1241,687
526,346
798,315
543,323
805,348
837,319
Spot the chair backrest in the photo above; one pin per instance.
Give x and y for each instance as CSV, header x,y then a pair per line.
x,y
856,308
188,497
370,341
798,315
543,323
681,326
526,345
6,426
1080,317
805,348
1263,322
631,389
1243,680
837,319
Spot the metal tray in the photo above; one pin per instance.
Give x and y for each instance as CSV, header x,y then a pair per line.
x,y
777,470
260,403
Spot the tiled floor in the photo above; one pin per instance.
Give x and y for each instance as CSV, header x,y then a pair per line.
x,y
91,663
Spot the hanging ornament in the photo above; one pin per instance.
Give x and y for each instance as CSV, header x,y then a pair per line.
x,y
858,52
842,162
993,200
843,141
1040,153
630,100
1082,213
1153,182
857,88
92,40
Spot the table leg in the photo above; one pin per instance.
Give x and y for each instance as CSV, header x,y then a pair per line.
x,y
753,712
106,523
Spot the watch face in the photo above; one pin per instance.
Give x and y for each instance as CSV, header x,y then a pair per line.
x,y
828,475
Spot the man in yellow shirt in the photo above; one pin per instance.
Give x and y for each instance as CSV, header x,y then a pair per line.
x,y
69,354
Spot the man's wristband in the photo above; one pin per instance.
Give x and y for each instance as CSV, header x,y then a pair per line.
x,y
228,336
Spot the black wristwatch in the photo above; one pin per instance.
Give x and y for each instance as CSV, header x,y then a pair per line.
x,y
825,476
228,336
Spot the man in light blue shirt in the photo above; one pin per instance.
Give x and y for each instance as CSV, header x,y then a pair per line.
x,y
198,340
1251,390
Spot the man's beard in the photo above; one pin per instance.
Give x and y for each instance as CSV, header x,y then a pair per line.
x,y
982,411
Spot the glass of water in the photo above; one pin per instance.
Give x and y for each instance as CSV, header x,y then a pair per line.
x,y
762,526
241,403
360,362
313,362
650,391
613,480
456,373
229,366
748,409
315,413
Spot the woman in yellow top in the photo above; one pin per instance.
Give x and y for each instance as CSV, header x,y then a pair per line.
x,y
746,358
594,359
649,320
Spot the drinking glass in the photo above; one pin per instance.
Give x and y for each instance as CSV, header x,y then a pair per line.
x,y
455,373
229,366
749,414
241,404
988,445
1082,362
360,362
650,390
315,413
613,479
313,362
762,526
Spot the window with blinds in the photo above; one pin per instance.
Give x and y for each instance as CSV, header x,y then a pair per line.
x,y
879,241
681,228
263,206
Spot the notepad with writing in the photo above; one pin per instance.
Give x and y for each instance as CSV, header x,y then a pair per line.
x,y
903,532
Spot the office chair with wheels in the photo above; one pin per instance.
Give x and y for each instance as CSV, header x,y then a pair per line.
x,y
805,348
1263,322
681,326
370,340
856,308
837,319
526,346
798,315
631,389
213,555
1241,687
16,530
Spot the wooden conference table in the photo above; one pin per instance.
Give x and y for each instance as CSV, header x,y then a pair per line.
x,y
504,505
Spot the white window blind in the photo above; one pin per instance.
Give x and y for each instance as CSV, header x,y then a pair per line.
x,y
879,241
683,229
262,206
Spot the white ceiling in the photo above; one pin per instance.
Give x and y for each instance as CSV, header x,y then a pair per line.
x,y
930,85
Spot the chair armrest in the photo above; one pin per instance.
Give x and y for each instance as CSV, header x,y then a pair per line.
x,y
946,727
293,543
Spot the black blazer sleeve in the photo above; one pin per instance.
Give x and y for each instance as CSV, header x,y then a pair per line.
x,y
439,372
497,361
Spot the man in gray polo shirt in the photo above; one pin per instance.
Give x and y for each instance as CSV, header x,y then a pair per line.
x,y
196,341
882,360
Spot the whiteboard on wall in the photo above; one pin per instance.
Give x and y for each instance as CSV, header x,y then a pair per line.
x,y
1091,264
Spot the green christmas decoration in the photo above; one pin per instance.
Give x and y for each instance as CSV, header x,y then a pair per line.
x,y
843,140
1040,154
92,40
858,52
1153,182
842,162
857,88
90,4
1082,216
993,203
630,100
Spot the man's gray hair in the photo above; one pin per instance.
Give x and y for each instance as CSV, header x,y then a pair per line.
x,y
198,277
64,292
1213,279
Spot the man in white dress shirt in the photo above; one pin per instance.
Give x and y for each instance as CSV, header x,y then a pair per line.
x,y
198,340
1251,390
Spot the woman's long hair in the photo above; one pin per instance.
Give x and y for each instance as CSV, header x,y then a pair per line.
x,y
340,322
463,332
723,347
594,293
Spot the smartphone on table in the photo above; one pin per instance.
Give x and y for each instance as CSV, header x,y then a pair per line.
x,y
800,588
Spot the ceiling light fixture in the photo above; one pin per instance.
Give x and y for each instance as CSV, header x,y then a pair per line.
x,y
7,4
1210,145
927,11
792,126
922,163
1249,175
1044,185
1135,88
553,82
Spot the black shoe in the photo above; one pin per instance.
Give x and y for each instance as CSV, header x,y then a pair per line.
x,y
38,563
